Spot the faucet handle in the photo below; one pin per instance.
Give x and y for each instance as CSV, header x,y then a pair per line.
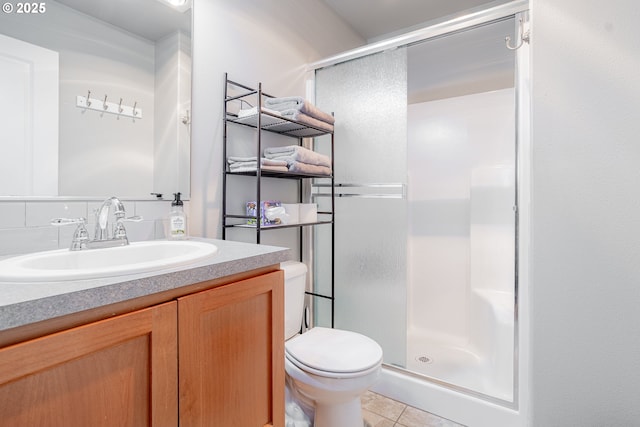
x,y
119,232
68,221
80,236
120,220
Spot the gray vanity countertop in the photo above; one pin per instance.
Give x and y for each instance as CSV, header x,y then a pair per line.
x,y
25,303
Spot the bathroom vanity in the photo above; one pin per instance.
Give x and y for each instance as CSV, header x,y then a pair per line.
x,y
201,345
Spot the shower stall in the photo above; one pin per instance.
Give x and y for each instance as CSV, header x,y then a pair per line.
x,y
428,166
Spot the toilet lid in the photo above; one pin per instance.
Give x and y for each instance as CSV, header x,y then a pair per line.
x,y
334,350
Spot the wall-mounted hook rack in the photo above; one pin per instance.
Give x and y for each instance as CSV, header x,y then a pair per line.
x,y
105,106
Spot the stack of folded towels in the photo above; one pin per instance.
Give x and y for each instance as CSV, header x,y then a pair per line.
x,y
300,159
299,109
250,164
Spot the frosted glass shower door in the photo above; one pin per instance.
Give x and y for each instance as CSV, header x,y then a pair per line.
x,y
369,99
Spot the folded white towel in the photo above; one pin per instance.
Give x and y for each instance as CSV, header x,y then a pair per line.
x,y
250,164
253,111
244,169
291,153
274,162
254,167
275,168
235,161
301,117
298,167
300,104
239,165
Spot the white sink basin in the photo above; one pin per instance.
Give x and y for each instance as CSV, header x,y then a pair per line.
x,y
139,257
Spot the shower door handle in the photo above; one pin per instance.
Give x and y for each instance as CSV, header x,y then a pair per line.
x,y
362,190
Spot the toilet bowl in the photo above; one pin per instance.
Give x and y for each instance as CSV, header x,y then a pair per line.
x,y
328,368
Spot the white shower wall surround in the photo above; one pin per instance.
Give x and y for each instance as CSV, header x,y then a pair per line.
x,y
461,241
25,225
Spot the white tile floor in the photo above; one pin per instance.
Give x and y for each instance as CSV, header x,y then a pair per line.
x,y
380,411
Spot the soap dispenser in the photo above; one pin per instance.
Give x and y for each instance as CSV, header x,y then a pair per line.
x,y
177,220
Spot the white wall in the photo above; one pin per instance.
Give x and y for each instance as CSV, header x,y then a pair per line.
x,y
585,291
267,41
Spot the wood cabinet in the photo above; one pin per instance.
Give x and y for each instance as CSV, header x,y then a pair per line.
x,y
231,354
116,372
214,358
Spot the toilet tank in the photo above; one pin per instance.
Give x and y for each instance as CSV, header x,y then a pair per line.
x,y
295,281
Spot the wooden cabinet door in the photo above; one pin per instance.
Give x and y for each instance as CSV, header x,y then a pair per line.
x,y
116,372
231,354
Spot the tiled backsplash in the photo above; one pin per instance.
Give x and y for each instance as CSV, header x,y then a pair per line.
x,y
25,225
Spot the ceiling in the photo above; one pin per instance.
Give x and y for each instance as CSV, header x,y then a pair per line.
x,y
460,64
373,19
150,19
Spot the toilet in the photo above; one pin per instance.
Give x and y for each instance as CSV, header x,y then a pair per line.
x,y
328,368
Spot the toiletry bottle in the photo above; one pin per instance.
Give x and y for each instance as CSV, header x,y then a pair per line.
x,y
177,220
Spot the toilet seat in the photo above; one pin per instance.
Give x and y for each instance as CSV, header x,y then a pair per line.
x,y
334,353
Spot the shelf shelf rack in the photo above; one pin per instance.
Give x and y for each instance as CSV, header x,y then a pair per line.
x,y
265,121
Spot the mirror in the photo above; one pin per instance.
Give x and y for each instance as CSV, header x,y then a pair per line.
x,y
96,98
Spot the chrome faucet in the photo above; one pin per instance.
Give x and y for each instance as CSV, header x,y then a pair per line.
x,y
101,236
102,221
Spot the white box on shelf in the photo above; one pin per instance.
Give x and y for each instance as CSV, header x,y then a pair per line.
x,y
293,210
308,212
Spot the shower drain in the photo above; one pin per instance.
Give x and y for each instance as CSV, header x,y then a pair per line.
x,y
424,359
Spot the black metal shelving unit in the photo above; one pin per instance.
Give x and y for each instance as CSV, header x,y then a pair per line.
x,y
264,121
